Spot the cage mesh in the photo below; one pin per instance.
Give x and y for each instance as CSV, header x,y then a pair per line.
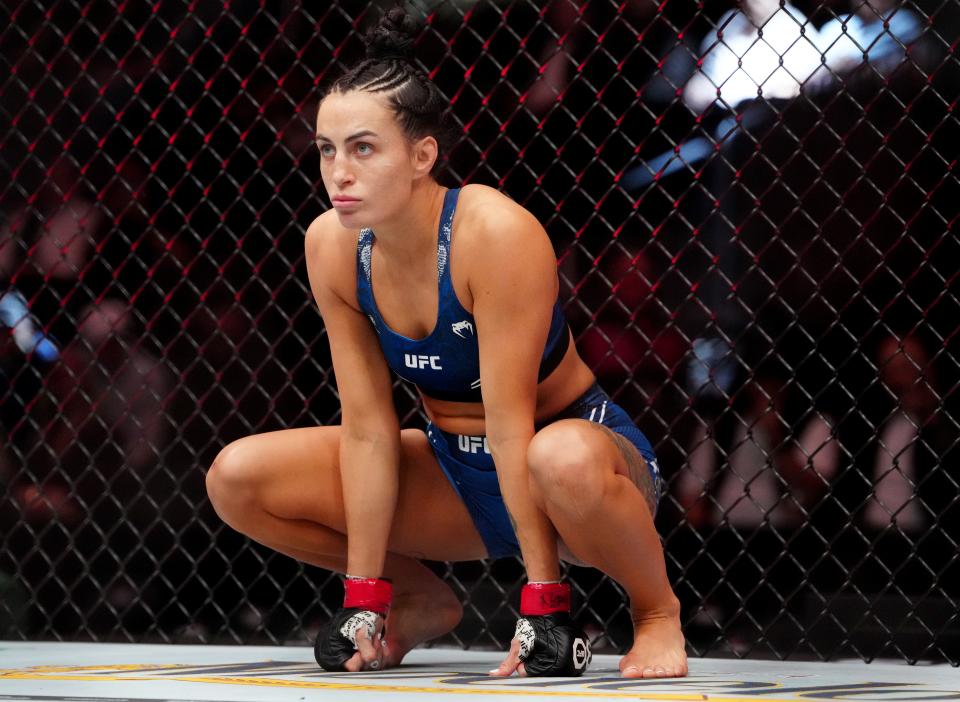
x,y
753,212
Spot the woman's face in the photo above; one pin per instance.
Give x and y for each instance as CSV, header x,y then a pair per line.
x,y
367,163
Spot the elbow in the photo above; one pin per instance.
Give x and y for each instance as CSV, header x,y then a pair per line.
x,y
504,431
370,426
374,435
514,441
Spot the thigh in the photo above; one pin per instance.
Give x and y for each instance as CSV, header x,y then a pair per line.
x,y
589,450
612,441
579,457
630,463
295,474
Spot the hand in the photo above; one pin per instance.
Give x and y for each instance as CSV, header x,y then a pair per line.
x,y
511,663
352,641
370,650
546,645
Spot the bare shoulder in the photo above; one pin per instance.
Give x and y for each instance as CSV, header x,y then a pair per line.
x,y
491,223
330,250
326,234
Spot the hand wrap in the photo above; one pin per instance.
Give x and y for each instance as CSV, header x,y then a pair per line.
x,y
551,643
364,601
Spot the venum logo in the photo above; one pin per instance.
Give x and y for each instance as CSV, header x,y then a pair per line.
x,y
412,360
472,444
461,329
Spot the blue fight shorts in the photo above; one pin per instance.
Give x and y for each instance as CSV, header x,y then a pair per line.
x,y
468,465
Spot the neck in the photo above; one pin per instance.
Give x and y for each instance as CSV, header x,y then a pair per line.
x,y
412,234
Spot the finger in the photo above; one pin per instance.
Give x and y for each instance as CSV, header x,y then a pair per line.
x,y
380,641
354,664
368,649
372,650
510,663
522,670
378,663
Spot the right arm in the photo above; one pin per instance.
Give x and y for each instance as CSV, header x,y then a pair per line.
x,y
370,430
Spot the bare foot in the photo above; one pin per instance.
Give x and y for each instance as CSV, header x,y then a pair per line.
x,y
419,617
658,649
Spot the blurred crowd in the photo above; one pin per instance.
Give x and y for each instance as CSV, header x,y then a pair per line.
x,y
751,204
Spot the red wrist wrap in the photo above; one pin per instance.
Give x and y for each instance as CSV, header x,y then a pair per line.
x,y
373,594
544,598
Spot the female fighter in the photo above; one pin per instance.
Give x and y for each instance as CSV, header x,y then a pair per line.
x,y
455,291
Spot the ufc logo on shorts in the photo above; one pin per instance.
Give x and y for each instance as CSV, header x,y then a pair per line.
x,y
472,444
412,360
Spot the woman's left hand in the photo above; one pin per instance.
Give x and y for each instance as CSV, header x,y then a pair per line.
x,y
511,663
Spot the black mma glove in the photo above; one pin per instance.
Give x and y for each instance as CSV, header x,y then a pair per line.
x,y
365,600
551,643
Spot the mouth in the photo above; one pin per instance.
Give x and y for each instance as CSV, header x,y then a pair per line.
x,y
343,200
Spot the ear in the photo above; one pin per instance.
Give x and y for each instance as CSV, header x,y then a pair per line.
x,y
424,153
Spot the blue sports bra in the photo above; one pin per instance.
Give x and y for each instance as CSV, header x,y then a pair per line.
x,y
446,363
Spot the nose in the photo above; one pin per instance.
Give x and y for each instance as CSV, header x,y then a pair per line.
x,y
342,173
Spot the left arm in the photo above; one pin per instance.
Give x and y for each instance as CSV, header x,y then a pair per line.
x,y
513,280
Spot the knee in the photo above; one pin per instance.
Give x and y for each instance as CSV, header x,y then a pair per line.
x,y
564,467
231,482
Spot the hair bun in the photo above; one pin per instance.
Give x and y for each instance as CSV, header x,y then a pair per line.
x,y
393,37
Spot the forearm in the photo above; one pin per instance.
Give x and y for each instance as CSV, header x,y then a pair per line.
x,y
535,533
369,471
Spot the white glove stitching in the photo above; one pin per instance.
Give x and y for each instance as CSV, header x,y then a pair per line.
x,y
526,635
366,619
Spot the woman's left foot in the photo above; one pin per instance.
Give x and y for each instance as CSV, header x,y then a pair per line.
x,y
658,651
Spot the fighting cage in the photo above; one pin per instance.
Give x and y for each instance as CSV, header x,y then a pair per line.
x,y
752,207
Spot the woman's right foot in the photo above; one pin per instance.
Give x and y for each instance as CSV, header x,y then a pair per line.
x,y
658,650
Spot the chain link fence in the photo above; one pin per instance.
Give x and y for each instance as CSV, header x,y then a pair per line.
x,y
753,209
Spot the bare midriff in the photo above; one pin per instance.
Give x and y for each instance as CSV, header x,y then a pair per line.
x,y
566,383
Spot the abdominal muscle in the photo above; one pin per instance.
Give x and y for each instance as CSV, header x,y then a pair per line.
x,y
566,383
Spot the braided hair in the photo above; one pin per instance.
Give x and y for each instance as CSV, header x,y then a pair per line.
x,y
419,106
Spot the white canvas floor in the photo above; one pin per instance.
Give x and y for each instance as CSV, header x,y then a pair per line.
x,y
55,672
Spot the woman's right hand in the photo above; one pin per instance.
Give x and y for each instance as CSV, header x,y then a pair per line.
x,y
352,630
370,651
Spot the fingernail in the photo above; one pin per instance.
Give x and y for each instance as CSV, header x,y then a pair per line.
x,y
495,670
632,670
